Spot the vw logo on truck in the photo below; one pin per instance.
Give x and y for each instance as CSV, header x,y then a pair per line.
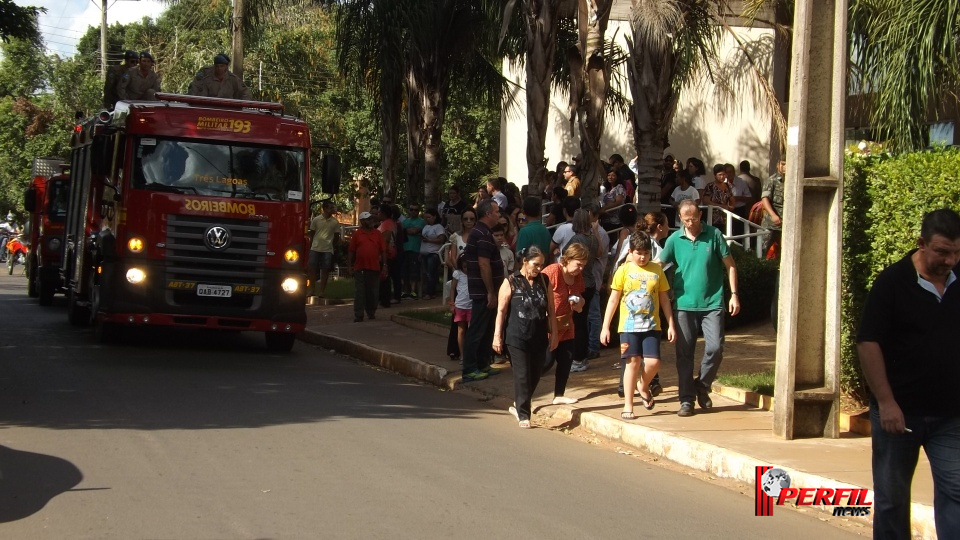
x,y
217,238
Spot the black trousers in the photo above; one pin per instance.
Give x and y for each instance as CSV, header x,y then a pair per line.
x,y
527,367
581,337
562,356
365,293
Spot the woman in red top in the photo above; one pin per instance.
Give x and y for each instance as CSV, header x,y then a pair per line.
x,y
566,280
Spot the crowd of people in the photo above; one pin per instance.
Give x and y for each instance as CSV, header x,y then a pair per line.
x,y
547,285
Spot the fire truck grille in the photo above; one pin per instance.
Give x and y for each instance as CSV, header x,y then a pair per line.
x,y
241,262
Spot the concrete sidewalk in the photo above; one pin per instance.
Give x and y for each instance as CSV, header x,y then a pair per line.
x,y
729,441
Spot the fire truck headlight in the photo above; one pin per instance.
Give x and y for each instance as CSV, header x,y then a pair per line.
x,y
291,255
53,244
135,244
136,276
290,285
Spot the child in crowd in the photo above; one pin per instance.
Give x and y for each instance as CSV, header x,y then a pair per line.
x,y
506,254
460,303
639,288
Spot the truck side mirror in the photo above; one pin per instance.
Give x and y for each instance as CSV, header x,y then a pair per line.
x,y
30,200
330,174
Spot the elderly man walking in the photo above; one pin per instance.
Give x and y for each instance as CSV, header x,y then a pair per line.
x,y
484,276
908,352
701,255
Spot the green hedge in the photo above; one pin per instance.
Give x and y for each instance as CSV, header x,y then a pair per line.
x,y
884,200
756,279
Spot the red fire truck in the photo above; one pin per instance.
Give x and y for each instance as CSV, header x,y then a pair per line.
x,y
46,200
191,211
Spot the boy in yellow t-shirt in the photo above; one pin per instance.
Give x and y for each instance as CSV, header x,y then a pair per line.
x,y
639,288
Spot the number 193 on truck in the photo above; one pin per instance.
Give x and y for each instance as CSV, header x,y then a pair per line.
x,y
191,212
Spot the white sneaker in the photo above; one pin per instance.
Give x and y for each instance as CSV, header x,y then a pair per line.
x,y
513,410
563,400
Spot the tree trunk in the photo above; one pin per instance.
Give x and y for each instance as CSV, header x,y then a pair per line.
x,y
540,20
591,93
237,48
434,110
414,137
649,70
390,105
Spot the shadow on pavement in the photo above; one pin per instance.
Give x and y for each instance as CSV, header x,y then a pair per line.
x,y
28,481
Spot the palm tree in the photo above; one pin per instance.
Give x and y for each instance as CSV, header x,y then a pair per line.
x,y
540,24
905,58
428,46
670,43
590,67
371,52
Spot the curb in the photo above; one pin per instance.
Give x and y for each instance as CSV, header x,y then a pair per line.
x,y
405,365
691,453
854,423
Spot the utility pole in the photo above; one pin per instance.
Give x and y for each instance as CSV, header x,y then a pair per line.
x,y
808,334
237,38
103,41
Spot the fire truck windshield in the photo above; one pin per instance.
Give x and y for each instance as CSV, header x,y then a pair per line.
x,y
219,169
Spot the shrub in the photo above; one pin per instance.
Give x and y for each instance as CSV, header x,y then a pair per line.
x,y
756,280
884,201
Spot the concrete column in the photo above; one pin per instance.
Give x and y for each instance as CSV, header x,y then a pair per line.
x,y
808,339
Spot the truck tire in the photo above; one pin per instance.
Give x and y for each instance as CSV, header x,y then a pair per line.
x,y
33,277
77,314
280,341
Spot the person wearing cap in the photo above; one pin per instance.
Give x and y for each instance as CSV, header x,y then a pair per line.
x,y
367,258
218,81
114,74
140,82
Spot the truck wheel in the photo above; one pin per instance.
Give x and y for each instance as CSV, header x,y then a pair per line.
x,y
280,341
77,314
33,279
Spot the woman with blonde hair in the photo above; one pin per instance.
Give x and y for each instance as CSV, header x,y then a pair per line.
x,y
566,284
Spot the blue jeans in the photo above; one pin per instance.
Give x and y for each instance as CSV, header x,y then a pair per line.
x,y
894,462
594,322
689,323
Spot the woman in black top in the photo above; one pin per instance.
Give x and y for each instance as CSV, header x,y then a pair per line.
x,y
530,330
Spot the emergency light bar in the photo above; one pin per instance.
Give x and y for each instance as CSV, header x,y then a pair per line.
x,y
220,102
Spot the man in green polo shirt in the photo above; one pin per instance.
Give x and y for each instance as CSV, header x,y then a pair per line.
x,y
533,233
701,256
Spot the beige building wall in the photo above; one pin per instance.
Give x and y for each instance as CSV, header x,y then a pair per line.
x,y
722,120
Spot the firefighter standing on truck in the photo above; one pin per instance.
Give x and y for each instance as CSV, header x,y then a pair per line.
x,y
114,74
218,81
141,82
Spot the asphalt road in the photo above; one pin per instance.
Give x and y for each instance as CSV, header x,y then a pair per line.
x,y
194,435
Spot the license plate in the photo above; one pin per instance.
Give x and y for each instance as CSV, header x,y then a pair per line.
x,y
221,291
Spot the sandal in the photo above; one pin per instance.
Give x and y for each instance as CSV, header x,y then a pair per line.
x,y
648,403
628,415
